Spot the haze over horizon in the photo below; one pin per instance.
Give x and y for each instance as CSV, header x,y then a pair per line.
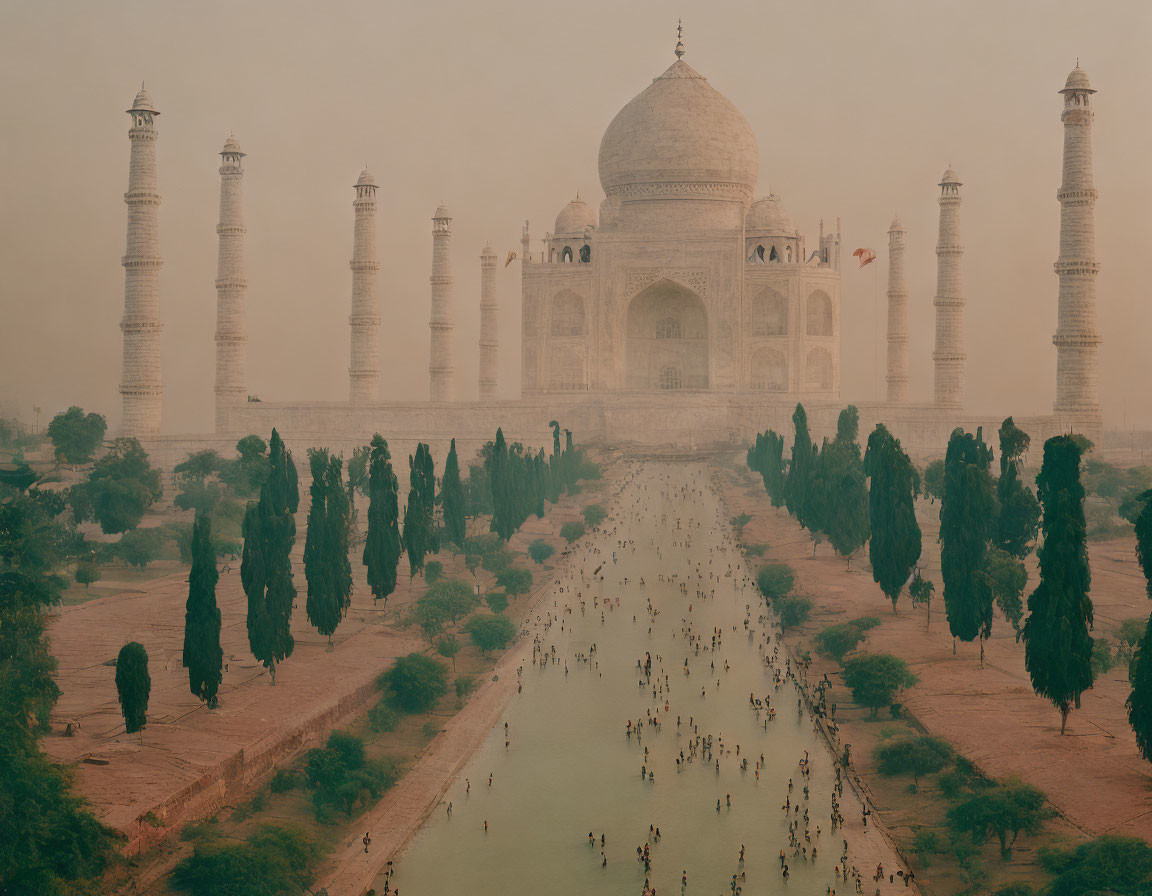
x,y
498,111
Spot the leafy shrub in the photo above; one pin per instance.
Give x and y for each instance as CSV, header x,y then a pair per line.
x,y
755,550
86,573
383,717
340,776
793,611
417,681
431,728
284,780
515,580
491,632
594,515
739,522
876,679
1109,864
482,545
496,601
571,531
273,860
139,547
465,685
497,561
924,845
915,756
540,550
837,640
865,623
775,580
1006,810
433,569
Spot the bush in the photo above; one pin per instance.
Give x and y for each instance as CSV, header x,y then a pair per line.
x,y
496,601
431,728
491,632
1109,864
86,573
284,780
139,547
1102,659
340,776
482,545
865,623
925,844
570,531
755,550
775,580
876,679
540,550
793,611
515,580
273,860
383,717
417,681
1016,889
433,569
465,685
497,561
915,756
594,515
837,640
739,522
1006,809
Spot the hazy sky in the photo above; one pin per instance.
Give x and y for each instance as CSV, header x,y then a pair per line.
x,y
497,109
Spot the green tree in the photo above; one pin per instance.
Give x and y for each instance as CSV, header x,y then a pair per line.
x,y
382,548
572,530
934,480
416,682
515,580
247,472
358,476
452,498
273,860
86,573
1057,646
793,610
895,546
455,598
775,580
496,601
121,487
448,647
503,488
594,515
916,756
133,685
326,564
491,632
203,656
1139,701
75,435
1109,865
1018,520
838,640
419,538
1008,578
266,570
433,571
50,843
198,465
1007,810
920,590
539,550
800,468
876,679
967,518
139,547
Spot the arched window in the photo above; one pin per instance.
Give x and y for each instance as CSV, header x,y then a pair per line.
x,y
566,255
818,370
769,371
670,377
585,254
668,328
567,314
774,256
789,251
567,373
819,314
769,313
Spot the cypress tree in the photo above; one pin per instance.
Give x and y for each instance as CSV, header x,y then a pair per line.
x,y
555,438
452,499
846,508
497,465
340,532
1140,668
427,480
382,548
800,468
1057,646
967,518
416,532
203,656
571,472
326,563
894,549
773,473
1019,512
269,530
133,685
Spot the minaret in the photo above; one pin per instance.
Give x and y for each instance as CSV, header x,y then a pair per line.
x,y
897,315
489,338
364,370
525,245
1077,339
949,355
231,287
140,383
441,372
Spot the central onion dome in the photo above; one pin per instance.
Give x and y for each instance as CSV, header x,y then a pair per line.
x,y
679,138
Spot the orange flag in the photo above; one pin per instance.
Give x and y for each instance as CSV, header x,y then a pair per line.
x,y
866,256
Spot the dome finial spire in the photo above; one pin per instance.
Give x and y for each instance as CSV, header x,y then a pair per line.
x,y
679,38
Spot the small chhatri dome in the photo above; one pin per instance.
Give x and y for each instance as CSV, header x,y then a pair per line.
x,y
441,212
231,147
896,225
767,216
678,131
143,102
574,218
950,177
366,179
488,251
1077,80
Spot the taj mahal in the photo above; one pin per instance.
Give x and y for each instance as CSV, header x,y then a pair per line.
x,y
683,312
